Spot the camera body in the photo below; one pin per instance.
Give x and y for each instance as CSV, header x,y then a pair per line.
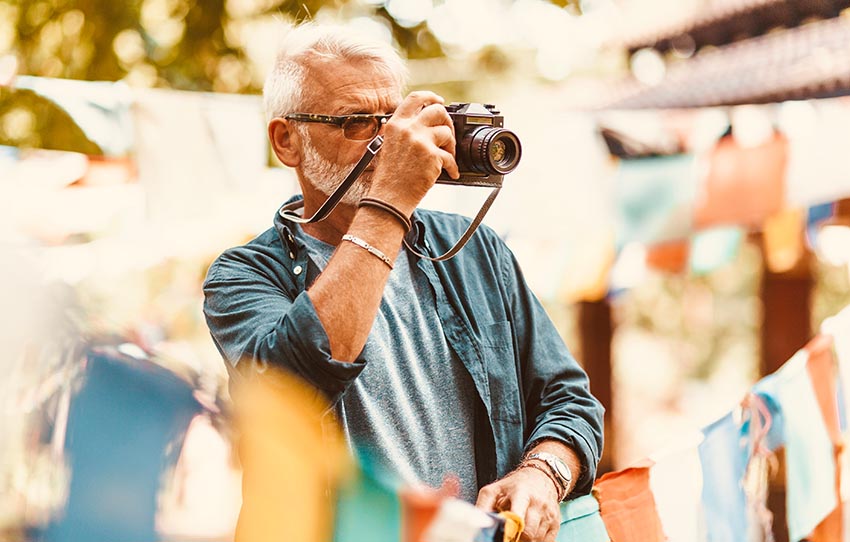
x,y
484,150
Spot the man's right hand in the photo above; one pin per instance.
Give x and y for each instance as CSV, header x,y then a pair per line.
x,y
419,142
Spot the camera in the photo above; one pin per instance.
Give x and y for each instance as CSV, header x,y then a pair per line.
x,y
484,151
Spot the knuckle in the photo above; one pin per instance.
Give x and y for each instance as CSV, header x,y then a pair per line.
x,y
420,145
489,491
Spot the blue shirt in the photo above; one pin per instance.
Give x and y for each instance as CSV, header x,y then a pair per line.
x,y
411,409
529,387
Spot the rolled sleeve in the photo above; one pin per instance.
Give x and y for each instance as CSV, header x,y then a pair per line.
x,y
581,437
558,402
256,322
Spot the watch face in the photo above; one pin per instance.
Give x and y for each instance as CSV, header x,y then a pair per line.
x,y
563,470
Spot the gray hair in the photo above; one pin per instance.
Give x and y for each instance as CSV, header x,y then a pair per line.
x,y
282,92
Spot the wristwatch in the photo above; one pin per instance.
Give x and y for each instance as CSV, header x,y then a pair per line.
x,y
560,470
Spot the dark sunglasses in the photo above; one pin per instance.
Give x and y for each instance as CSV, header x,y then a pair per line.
x,y
357,127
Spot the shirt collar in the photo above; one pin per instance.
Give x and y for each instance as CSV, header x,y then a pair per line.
x,y
285,228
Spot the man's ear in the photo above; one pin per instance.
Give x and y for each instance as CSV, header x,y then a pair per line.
x,y
284,142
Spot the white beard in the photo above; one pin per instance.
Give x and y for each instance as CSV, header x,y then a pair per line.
x,y
325,175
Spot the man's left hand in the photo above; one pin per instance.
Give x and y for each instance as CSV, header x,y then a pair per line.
x,y
532,495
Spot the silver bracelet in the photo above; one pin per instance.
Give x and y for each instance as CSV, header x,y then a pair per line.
x,y
368,248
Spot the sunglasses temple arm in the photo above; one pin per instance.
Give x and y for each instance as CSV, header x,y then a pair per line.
x,y
333,200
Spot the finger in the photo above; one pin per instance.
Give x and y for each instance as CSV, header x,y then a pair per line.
x,y
444,138
519,504
436,115
487,498
553,523
415,102
552,533
534,530
449,164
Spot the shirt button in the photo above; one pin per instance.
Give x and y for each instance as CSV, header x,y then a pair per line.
x,y
297,270
291,256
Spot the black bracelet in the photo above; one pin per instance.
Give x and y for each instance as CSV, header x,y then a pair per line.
x,y
383,205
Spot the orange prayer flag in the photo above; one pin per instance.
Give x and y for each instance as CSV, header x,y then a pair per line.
x,y
744,185
628,507
671,257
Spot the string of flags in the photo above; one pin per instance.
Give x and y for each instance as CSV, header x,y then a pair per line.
x,y
691,184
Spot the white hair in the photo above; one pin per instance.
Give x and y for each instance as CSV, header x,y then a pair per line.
x,y
282,92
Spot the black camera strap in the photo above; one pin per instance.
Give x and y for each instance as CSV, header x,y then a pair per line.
x,y
288,211
333,200
466,235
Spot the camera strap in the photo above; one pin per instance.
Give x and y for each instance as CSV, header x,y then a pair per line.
x,y
333,200
288,211
466,235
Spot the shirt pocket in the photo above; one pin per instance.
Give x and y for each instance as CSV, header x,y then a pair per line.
x,y
500,364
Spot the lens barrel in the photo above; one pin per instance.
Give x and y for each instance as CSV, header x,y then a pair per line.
x,y
492,151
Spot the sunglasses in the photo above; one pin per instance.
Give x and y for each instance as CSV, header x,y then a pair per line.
x,y
356,127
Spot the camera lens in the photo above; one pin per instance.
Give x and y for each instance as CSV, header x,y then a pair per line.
x,y
493,151
497,151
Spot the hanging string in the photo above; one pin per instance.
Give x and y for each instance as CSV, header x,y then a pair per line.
x,y
760,464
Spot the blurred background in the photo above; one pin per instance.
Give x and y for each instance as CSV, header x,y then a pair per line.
x,y
682,209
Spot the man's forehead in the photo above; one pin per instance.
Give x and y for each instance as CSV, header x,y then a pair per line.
x,y
331,68
352,86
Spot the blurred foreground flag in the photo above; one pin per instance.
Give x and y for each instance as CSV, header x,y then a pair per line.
x,y
125,426
293,458
368,507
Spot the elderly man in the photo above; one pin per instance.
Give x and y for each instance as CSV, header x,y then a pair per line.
x,y
436,368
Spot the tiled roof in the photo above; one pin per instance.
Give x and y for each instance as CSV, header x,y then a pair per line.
x,y
725,21
809,61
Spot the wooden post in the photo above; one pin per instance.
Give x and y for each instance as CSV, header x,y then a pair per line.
x,y
596,330
786,320
785,328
